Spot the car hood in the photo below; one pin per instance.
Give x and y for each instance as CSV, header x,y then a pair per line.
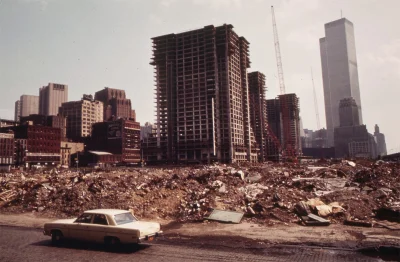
x,y
145,228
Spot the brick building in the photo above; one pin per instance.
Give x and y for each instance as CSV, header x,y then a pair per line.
x,y
120,137
116,105
7,149
36,144
68,149
81,115
6,122
51,121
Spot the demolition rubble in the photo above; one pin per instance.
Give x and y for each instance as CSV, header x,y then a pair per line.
x,y
319,194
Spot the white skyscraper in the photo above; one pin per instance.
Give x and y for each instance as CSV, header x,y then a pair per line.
x,y
51,98
26,106
339,71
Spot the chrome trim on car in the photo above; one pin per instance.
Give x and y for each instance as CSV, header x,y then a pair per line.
x,y
146,237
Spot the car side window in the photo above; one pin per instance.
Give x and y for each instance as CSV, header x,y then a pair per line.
x,y
100,219
84,218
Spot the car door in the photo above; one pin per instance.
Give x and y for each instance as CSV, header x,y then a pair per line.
x,y
80,228
98,228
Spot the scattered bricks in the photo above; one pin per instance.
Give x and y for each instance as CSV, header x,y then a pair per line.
x,y
264,191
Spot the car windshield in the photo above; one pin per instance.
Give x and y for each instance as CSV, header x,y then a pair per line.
x,y
124,218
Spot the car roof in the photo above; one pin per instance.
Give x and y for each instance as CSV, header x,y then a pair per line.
x,y
106,211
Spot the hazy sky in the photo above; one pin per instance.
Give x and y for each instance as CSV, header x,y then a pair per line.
x,y
91,44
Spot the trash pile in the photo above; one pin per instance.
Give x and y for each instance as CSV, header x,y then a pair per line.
x,y
265,193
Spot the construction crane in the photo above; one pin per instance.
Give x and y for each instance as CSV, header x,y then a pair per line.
x,y
319,137
288,150
315,102
278,54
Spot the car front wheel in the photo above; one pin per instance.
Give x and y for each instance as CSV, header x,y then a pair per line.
x,y
56,237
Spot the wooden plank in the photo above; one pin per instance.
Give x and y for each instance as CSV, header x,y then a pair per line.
x,y
5,192
316,223
357,223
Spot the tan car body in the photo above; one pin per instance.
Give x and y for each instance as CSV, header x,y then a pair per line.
x,y
132,232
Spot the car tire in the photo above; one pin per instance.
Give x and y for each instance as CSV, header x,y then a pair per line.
x,y
111,242
56,237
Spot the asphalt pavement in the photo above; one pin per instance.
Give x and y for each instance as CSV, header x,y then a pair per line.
x,y
25,244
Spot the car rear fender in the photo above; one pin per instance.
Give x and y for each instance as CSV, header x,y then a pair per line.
x,y
125,236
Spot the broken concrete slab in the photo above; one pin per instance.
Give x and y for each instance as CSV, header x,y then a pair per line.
x,y
313,220
253,178
225,216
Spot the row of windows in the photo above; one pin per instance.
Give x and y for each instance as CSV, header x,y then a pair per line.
x,y
6,160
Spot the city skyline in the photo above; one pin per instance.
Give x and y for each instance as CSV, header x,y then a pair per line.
x,y
87,59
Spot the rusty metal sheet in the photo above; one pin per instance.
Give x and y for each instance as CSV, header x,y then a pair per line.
x,y
226,216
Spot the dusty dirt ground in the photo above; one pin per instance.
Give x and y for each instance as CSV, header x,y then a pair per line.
x,y
253,234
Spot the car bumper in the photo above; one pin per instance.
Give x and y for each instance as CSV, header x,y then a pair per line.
x,y
150,237
46,232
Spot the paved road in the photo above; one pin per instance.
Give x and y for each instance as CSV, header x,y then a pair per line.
x,y
21,244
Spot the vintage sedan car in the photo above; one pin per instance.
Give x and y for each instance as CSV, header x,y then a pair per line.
x,y
109,226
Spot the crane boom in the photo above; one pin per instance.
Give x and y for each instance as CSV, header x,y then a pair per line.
x,y
278,54
315,102
288,146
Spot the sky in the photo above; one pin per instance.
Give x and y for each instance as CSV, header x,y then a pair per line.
x,y
92,44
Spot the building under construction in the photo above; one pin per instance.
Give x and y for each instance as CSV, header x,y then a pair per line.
x,y
289,136
202,97
258,113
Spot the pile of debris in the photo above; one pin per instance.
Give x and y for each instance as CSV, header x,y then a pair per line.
x,y
265,193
